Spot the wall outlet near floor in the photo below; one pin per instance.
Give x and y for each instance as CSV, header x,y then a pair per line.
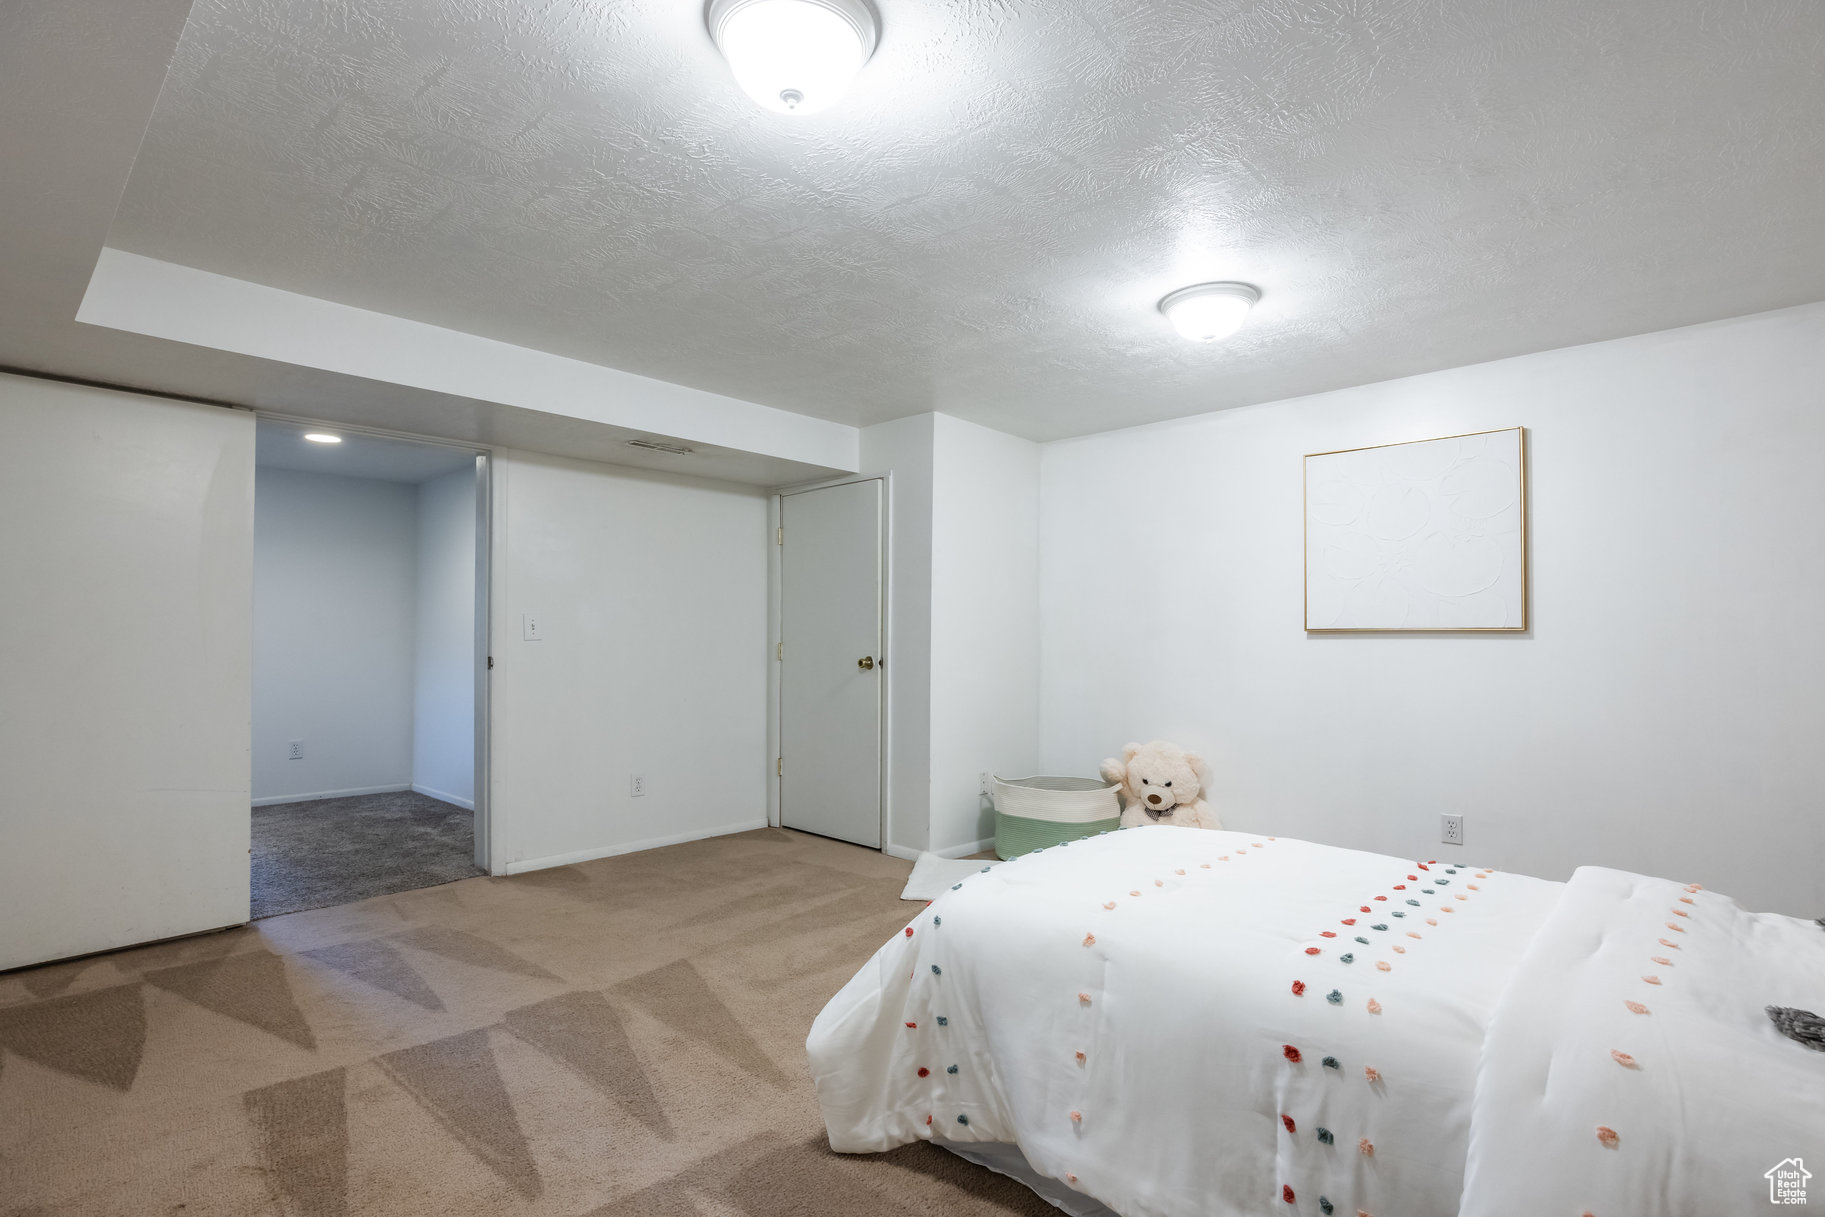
x,y
987,789
295,750
1451,830
636,785
534,628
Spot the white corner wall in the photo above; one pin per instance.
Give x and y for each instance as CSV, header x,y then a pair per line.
x,y
903,449
443,720
984,635
125,643
651,593
963,648
335,577
1664,714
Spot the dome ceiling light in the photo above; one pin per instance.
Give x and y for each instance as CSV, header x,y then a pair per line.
x,y
1208,312
794,56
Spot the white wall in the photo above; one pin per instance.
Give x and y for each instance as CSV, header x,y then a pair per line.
x,y
443,726
1664,713
984,627
652,593
904,449
125,626
963,649
335,575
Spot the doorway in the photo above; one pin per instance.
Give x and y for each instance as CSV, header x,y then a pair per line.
x,y
831,661
368,676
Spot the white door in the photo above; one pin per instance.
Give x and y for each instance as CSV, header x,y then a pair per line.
x,y
831,662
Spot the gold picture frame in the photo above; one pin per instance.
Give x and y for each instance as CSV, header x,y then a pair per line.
x,y
1522,592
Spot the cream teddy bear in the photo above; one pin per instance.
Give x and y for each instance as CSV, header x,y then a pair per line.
x,y
1159,784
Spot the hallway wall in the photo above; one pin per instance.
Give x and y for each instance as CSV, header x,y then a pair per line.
x,y
443,695
335,586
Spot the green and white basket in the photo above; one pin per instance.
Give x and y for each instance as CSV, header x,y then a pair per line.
x,y
1032,813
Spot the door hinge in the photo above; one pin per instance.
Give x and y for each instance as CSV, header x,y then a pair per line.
x,y
491,663
779,536
779,767
779,652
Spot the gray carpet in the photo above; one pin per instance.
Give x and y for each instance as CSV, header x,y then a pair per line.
x,y
334,851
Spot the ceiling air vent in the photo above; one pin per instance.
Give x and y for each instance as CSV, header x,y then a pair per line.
x,y
656,446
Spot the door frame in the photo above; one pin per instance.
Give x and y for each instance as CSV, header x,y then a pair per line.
x,y
484,599
776,635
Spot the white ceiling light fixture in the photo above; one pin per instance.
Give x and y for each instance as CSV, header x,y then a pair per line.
x,y
322,437
794,56
1207,312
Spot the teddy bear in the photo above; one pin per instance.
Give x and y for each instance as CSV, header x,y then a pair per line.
x,y
1159,784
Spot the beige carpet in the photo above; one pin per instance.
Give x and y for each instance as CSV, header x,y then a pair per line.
x,y
623,1038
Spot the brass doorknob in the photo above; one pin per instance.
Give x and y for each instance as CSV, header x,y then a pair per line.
x,y
866,663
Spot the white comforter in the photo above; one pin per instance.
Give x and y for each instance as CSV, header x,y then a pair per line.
x,y
1638,1010
1177,1021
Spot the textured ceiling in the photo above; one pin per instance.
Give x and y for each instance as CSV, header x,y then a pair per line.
x,y
65,155
984,225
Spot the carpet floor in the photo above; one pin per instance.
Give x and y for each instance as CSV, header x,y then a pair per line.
x,y
620,1038
336,851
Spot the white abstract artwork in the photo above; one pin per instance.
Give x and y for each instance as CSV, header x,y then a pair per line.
x,y
1428,535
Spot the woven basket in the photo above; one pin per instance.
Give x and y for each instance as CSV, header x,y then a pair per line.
x,y
1032,813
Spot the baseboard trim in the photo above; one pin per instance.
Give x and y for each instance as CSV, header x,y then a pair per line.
x,y
631,847
7,969
964,851
444,797
350,793
908,854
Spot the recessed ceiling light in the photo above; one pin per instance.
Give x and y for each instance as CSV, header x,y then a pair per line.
x,y
322,437
1206,312
794,56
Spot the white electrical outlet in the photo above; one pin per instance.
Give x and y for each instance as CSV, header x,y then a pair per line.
x,y
987,790
296,751
534,629
1451,830
636,785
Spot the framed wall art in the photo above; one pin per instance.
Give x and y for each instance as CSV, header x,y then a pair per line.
x,y
1428,535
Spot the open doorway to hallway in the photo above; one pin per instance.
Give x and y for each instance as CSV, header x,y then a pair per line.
x,y
368,565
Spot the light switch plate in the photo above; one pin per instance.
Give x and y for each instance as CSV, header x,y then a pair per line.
x,y
534,629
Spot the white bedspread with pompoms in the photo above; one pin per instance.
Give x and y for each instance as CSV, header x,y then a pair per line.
x,y
1180,1022
1631,1068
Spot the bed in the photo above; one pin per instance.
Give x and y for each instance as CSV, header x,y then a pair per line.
x,y
1172,1021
